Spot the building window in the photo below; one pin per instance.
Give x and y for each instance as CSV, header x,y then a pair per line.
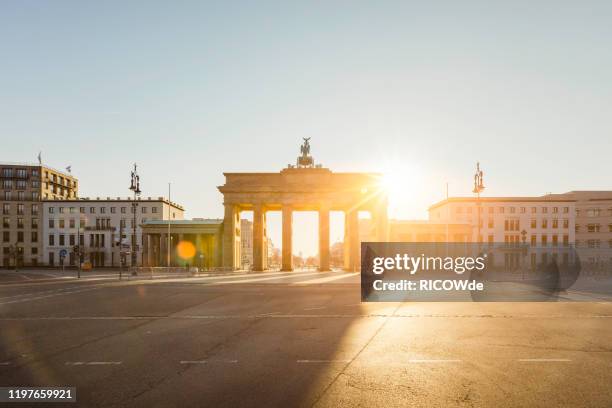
x,y
19,236
501,210
7,196
21,195
51,239
555,240
92,210
34,223
72,210
82,210
533,240
593,227
7,172
490,223
555,223
154,210
565,210
20,223
82,223
34,237
62,223
6,223
523,209
61,240
555,210
113,210
6,209
544,240
72,224
20,209
544,210
6,236
534,210
534,224
72,239
593,212
102,210
122,210
565,240
512,210
61,210
51,210
7,184
144,210
544,223
34,209
51,223
565,223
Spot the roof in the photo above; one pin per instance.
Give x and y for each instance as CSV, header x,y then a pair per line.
x,y
29,164
114,200
546,198
206,221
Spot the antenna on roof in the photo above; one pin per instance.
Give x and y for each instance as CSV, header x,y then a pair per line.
x,y
69,169
39,158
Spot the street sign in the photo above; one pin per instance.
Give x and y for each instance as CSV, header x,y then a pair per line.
x,y
63,253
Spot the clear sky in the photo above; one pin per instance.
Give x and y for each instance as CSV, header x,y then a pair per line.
x,y
191,89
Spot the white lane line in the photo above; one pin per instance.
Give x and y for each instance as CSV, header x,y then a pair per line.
x,y
24,276
6,363
209,361
434,361
49,296
544,360
92,363
262,279
326,279
315,308
321,361
249,275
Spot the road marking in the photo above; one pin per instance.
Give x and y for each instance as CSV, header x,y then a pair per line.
x,y
544,360
6,363
343,275
434,361
50,295
288,276
92,363
321,361
315,308
208,361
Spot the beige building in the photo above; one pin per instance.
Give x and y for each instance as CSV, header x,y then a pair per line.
x,y
428,231
24,186
542,221
246,243
98,225
194,242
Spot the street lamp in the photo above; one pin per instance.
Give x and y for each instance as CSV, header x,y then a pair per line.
x,y
135,187
478,188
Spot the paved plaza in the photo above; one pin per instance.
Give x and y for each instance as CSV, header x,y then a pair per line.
x,y
299,338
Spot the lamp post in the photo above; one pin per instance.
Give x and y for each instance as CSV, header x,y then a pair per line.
x,y
478,188
135,187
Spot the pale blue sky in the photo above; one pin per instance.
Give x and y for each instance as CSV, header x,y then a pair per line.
x,y
191,89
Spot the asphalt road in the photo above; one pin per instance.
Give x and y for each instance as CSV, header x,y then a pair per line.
x,y
294,339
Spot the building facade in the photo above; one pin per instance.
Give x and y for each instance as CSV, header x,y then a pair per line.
x,y
246,243
194,242
23,187
103,228
543,221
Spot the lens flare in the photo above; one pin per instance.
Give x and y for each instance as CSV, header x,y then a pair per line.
x,y
185,250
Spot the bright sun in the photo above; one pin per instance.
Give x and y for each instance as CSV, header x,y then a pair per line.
x,y
401,183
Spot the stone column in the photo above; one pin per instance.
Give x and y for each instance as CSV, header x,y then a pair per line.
x,y
324,238
229,238
287,238
258,237
351,240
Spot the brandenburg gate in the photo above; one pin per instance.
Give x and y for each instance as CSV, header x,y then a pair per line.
x,y
301,187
